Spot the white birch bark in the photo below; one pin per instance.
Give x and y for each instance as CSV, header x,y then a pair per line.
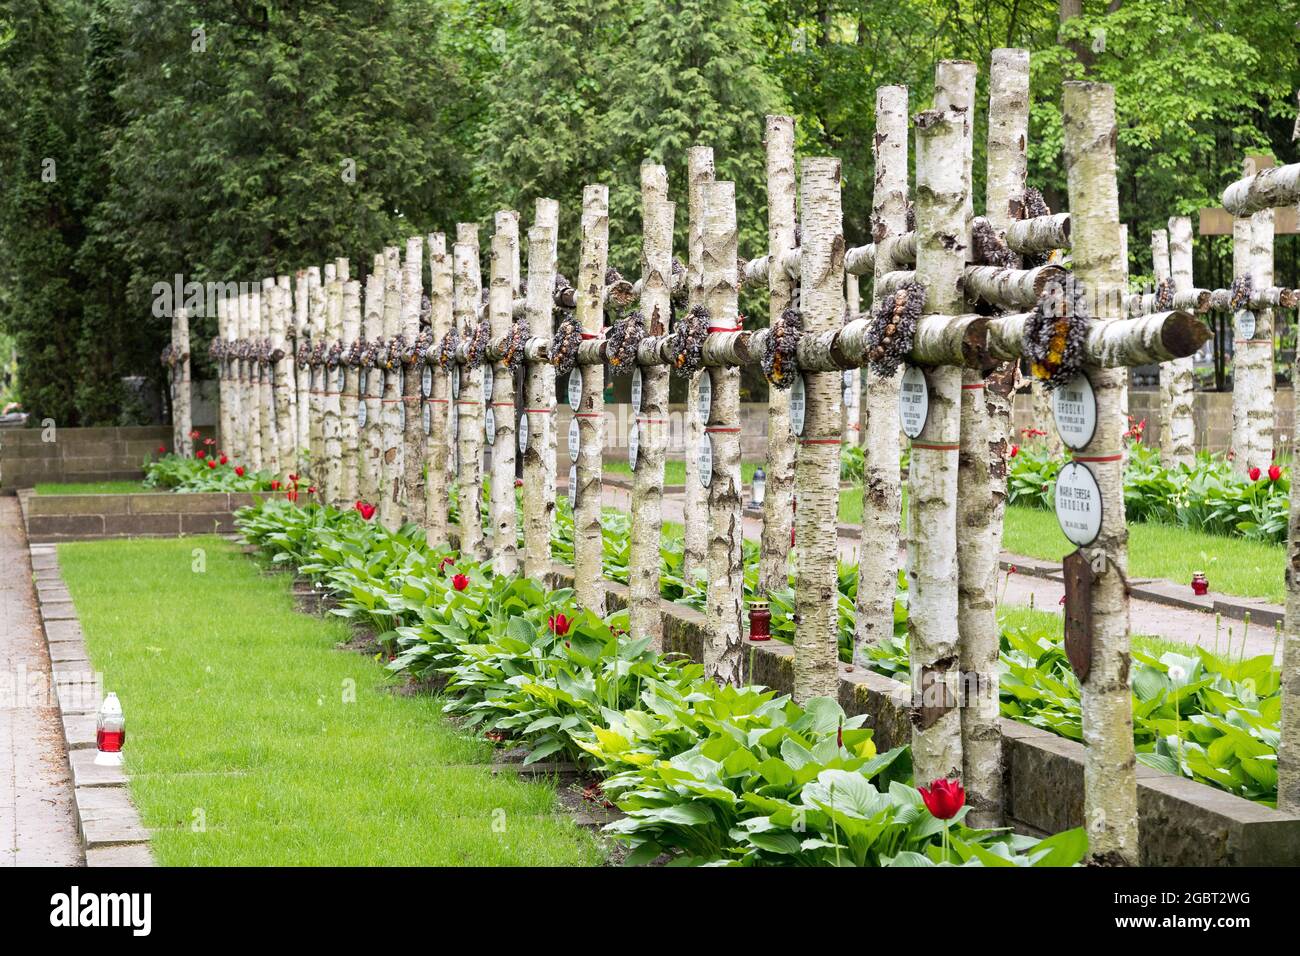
x,y
390,462
349,431
778,505
436,483
1110,786
316,393
286,427
505,535
181,401
371,385
467,294
539,395
699,171
262,416
821,294
1252,361
1038,234
881,484
932,508
331,478
302,336
1160,271
243,378
588,546
1288,753
1268,189
724,561
411,492
270,434
225,383
651,419
1181,447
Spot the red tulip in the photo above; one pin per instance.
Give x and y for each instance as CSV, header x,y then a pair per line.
x,y
209,442
559,624
442,565
1253,474
293,477
311,489
195,433
162,449
366,509
200,453
239,470
943,798
460,582
211,463
1274,472
1015,450
275,485
292,496
224,459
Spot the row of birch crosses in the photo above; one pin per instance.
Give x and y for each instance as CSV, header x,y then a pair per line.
x,y
386,401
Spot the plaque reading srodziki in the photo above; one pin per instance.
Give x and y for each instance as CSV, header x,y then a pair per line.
x,y
1074,406
1078,504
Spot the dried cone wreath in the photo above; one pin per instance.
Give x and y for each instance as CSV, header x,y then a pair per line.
x,y
1055,333
564,346
1165,295
622,341
476,345
893,328
780,354
516,341
988,247
1242,288
447,350
688,341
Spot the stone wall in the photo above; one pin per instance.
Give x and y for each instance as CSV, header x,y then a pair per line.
x,y
78,454
164,514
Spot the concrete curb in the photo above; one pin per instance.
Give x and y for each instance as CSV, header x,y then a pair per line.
x,y
107,821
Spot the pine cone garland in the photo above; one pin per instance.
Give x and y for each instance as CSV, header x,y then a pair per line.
x,y
893,328
1164,295
476,345
564,345
781,353
622,341
516,340
1242,288
688,341
988,248
447,350
1055,333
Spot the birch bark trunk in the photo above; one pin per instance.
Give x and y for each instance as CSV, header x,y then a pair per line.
x,y
437,487
468,293
239,323
651,418
226,383
853,384
505,534
1110,785
1182,423
411,493
181,404
1161,273
778,504
390,462
270,432
724,561
1288,753
932,507
371,385
539,396
350,432
260,320
286,426
588,546
699,171
320,347
331,485
881,483
821,293
301,337
1252,360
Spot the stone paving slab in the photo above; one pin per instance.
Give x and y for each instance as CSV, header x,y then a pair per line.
x,y
69,652
111,827
87,773
56,631
58,611
129,854
79,731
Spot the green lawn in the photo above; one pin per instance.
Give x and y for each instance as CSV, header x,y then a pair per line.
x,y
1233,565
675,471
254,741
93,488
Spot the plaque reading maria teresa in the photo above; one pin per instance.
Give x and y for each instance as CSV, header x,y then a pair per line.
x,y
633,445
704,465
798,404
575,389
523,432
1245,323
1074,406
1078,504
706,398
636,391
913,401
574,439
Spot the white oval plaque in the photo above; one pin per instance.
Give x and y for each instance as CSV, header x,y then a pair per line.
x,y
706,398
575,389
913,401
490,425
704,463
455,382
636,390
427,415
798,405
1074,406
363,376
341,379
426,381
361,415
1078,504
633,445
574,439
489,377
523,432
573,486
1245,322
